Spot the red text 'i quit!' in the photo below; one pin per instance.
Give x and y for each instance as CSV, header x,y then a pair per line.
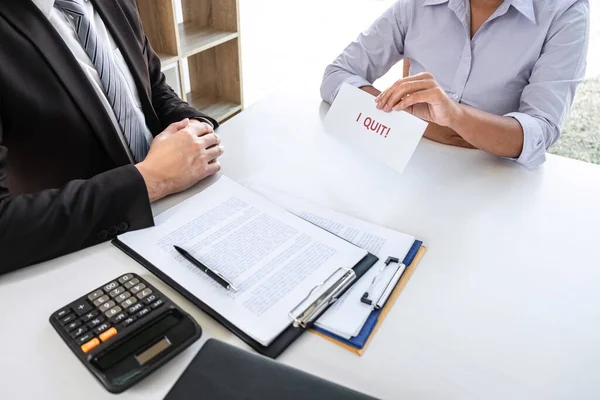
x,y
374,126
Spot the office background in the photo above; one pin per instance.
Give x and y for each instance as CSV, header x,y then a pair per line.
x,y
532,331
286,44
279,52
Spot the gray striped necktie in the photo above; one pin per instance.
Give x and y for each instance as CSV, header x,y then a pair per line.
x,y
112,82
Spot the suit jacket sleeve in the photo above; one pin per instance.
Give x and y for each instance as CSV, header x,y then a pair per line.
x,y
51,223
168,106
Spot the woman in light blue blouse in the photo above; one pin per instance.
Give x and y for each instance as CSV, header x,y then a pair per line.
x,y
496,75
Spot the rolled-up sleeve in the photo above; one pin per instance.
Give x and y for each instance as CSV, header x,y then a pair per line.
x,y
546,99
369,57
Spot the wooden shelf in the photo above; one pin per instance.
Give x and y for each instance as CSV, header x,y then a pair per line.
x,y
158,19
206,38
215,78
194,39
172,77
166,59
217,108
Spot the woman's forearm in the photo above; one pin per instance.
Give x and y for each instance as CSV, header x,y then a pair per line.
x,y
445,135
435,132
473,128
501,136
371,90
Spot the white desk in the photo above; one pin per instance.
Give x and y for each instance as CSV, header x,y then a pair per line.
x,y
505,304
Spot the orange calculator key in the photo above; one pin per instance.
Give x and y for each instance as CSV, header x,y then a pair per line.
x,y
90,345
108,334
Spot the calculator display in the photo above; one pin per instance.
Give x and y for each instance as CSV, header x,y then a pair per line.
x,y
136,343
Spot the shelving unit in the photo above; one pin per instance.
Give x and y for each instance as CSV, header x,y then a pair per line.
x,y
206,39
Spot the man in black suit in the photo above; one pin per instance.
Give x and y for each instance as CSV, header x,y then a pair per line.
x,y
90,133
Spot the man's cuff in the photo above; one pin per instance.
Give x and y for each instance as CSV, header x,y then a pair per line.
x,y
534,146
202,119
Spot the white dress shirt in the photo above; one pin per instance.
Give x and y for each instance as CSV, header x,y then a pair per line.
x,y
64,27
524,62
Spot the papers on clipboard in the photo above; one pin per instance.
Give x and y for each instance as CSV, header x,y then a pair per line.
x,y
348,315
274,258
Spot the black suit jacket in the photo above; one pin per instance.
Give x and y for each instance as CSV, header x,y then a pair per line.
x,y
65,179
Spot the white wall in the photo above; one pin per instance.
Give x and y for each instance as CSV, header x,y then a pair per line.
x,y
287,44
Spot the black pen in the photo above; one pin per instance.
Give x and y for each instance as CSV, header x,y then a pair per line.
x,y
216,276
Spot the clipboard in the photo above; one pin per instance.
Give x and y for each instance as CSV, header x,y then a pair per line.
x,y
377,316
299,323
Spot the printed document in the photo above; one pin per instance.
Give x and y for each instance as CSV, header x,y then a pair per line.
x,y
346,317
389,137
272,257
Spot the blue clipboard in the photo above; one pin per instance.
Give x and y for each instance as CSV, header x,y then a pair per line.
x,y
359,341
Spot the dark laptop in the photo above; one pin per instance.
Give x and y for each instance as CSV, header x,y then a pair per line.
x,y
221,371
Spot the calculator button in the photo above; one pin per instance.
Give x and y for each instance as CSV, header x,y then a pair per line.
x,y
113,311
111,286
67,319
125,278
137,288
101,328
101,300
129,321
95,295
89,316
108,334
90,345
85,338
72,325
62,313
144,293
129,302
150,299
131,283
106,306
117,291
78,332
81,307
157,304
135,308
118,318
143,312
95,322
122,297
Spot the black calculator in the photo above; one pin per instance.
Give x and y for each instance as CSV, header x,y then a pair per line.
x,y
125,330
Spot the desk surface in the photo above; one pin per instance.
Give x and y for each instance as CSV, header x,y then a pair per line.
x,y
504,304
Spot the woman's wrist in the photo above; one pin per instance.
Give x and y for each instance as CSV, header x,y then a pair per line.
x,y
457,116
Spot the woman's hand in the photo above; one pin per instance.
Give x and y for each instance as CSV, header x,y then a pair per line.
x,y
421,96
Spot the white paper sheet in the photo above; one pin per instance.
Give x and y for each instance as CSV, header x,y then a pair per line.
x,y
389,137
347,316
273,257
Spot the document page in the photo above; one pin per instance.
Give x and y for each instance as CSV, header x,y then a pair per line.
x,y
389,137
272,257
347,316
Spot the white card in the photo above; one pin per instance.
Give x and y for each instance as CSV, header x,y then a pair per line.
x,y
389,137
